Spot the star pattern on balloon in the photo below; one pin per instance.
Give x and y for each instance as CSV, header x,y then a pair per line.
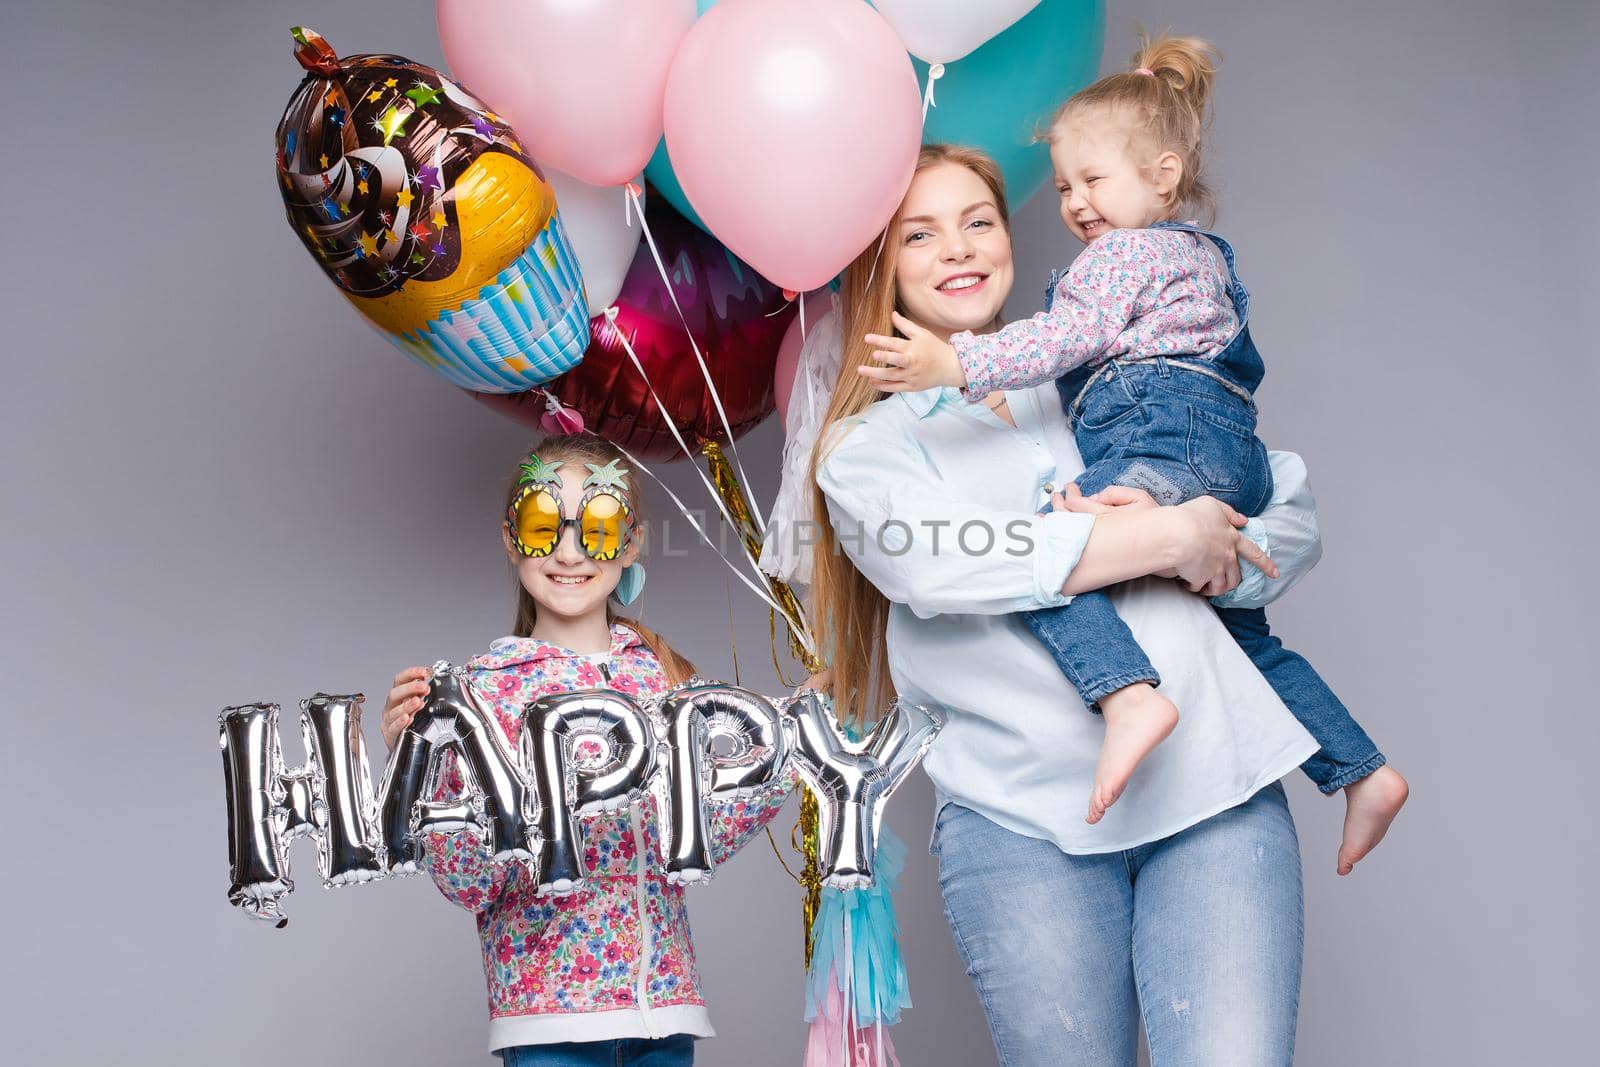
x,y
392,123
335,116
404,197
428,177
424,94
439,220
369,245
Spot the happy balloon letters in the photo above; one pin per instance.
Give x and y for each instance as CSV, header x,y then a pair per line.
x,y
579,753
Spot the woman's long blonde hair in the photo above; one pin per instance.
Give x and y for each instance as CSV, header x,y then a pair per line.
x,y
848,613
589,448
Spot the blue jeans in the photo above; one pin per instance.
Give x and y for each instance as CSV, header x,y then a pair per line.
x,y
1180,428
1199,935
674,1051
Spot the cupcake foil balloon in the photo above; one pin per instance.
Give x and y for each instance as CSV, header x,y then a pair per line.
x,y
428,214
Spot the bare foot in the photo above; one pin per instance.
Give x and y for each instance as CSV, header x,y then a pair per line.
x,y
1137,720
1370,806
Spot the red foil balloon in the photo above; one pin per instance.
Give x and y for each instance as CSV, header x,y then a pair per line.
x,y
738,319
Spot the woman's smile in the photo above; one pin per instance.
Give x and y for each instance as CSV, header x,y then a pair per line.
x,y
965,284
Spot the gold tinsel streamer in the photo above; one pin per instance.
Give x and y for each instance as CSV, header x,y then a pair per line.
x,y
806,830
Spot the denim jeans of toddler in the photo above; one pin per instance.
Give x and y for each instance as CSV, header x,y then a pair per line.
x,y
1179,428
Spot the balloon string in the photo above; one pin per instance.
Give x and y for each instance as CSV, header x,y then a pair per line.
x,y
935,72
705,371
876,256
689,516
611,317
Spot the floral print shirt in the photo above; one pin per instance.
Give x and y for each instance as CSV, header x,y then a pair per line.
x,y
1138,293
613,959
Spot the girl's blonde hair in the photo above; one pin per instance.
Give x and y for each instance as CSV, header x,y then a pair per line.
x,y
848,614
1165,100
580,449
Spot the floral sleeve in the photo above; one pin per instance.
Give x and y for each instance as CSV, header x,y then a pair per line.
x,y
460,863
735,822
1095,301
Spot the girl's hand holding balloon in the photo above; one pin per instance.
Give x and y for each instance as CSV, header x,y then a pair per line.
x,y
403,703
910,364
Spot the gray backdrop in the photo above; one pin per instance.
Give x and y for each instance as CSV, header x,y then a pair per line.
x,y
221,486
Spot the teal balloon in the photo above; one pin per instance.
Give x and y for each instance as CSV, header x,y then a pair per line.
x,y
1001,96
998,99
663,182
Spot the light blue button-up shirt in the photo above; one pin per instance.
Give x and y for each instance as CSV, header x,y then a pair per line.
x,y
935,500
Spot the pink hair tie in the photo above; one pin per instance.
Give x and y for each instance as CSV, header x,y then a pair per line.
x,y
1146,71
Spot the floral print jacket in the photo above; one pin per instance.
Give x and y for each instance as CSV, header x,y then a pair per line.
x,y
613,959
1131,293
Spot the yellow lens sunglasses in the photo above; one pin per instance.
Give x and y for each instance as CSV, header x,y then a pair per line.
x,y
537,518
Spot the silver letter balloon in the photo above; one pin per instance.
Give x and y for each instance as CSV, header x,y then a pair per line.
x,y
581,753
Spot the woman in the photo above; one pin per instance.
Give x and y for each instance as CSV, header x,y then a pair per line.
x,y
1183,905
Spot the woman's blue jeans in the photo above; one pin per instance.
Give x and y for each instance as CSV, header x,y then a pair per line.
x,y
1198,935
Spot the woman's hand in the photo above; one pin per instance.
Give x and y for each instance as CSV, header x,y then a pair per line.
x,y
1208,546
912,363
403,703
1111,498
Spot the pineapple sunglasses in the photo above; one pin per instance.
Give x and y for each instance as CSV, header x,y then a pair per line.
x,y
537,517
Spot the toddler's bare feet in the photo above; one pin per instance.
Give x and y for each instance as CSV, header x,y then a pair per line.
x,y
1370,806
1137,720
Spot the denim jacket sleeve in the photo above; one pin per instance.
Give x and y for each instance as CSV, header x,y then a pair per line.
x,y
899,525
1286,530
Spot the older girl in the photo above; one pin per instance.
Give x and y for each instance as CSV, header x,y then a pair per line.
x,y
605,975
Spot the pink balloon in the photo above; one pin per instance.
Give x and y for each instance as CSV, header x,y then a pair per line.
x,y
793,128
816,305
580,80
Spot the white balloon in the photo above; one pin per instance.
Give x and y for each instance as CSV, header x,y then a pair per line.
x,y
597,224
939,31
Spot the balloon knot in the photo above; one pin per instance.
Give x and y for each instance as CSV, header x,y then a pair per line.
x,y
314,53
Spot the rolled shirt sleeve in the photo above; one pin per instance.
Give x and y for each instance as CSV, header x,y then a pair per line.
x,y
933,552
1286,530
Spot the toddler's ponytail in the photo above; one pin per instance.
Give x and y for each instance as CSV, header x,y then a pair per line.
x,y
1185,65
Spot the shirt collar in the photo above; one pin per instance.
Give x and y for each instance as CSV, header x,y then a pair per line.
x,y
922,403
